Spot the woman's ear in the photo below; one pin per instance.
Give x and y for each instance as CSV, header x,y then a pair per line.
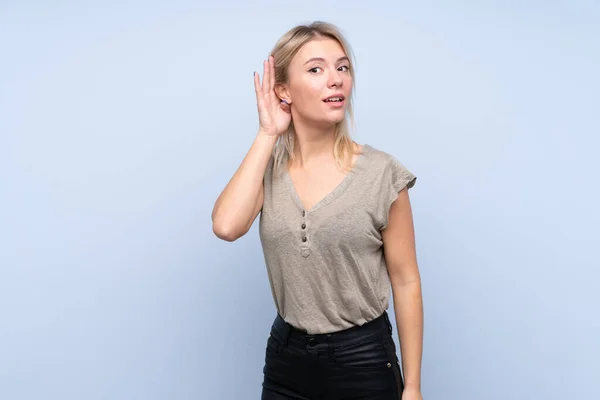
x,y
283,93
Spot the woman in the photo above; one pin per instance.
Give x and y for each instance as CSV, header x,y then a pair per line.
x,y
336,229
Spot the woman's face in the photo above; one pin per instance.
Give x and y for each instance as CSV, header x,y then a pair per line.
x,y
317,72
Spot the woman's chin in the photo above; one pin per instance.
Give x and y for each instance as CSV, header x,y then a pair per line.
x,y
329,119
335,117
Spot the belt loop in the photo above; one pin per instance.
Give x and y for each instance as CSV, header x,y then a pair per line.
x,y
387,320
284,330
287,334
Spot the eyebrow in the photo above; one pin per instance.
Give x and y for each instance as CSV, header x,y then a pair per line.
x,y
344,58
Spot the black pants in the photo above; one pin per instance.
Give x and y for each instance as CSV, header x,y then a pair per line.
x,y
356,363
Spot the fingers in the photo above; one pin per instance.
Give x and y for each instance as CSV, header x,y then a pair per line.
x,y
260,98
265,90
272,68
256,83
266,83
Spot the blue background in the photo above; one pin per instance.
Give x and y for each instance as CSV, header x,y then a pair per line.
x,y
121,122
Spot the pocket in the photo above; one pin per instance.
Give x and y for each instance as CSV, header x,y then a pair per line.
x,y
368,354
390,347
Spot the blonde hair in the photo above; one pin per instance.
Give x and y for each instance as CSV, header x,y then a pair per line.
x,y
283,52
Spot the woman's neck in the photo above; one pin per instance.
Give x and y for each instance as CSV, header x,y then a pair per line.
x,y
313,144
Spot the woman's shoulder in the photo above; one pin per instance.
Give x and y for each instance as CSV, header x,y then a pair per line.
x,y
378,158
382,164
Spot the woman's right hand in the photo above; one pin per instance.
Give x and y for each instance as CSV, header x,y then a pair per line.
x,y
274,116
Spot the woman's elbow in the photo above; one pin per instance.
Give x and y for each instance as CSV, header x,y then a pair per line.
x,y
226,231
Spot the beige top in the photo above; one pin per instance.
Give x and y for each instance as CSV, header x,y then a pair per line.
x,y
326,265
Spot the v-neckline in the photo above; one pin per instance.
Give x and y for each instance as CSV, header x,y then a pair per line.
x,y
334,193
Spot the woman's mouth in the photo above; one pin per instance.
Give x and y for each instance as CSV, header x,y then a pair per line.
x,y
335,101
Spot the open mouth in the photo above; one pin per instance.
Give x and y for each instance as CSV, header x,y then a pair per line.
x,y
334,100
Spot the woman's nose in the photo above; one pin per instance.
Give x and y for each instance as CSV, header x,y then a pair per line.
x,y
335,79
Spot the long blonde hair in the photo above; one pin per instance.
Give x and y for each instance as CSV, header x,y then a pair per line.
x,y
283,52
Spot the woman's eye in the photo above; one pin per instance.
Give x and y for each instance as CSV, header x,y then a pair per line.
x,y
343,68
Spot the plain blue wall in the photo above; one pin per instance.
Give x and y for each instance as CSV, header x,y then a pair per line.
x,y
120,125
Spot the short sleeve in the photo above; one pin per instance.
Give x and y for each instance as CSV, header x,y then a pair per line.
x,y
395,178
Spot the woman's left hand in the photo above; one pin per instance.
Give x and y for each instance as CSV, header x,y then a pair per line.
x,y
411,394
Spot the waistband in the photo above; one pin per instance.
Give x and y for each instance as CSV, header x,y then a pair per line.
x,y
284,331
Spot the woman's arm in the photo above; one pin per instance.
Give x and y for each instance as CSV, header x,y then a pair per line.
x,y
400,254
238,205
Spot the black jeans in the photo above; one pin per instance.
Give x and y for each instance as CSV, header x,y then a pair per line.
x,y
356,363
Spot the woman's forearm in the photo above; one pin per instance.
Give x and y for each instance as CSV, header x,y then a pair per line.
x,y
408,306
237,205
